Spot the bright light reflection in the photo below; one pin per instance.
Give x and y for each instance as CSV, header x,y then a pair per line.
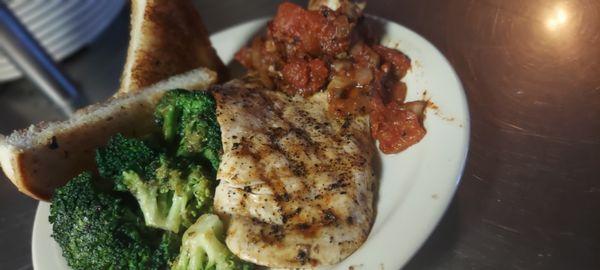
x,y
557,18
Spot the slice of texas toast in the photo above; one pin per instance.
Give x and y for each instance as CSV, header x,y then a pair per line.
x,y
167,38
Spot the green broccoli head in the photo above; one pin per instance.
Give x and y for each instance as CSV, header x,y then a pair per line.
x,y
170,191
202,248
189,121
123,154
97,229
167,251
174,198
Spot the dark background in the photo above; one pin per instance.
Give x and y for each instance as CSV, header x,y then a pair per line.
x,y
530,194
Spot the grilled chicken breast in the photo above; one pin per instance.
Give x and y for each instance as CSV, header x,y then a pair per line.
x,y
296,184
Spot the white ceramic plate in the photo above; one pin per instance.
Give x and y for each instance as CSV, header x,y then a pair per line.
x,y
416,185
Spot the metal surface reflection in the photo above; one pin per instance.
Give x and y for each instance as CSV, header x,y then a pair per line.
x,y
557,19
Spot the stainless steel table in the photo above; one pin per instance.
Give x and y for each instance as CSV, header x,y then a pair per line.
x,y
530,195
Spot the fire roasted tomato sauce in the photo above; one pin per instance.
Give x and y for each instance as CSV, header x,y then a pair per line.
x,y
307,51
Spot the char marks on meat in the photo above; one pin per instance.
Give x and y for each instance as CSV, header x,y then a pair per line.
x,y
296,183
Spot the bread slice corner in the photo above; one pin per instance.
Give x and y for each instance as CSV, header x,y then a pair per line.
x,y
167,38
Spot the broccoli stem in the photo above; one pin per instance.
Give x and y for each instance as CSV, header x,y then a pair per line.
x,y
161,210
169,122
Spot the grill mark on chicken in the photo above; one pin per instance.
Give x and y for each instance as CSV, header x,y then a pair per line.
x,y
296,184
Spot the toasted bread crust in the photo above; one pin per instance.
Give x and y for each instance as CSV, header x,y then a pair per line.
x,y
167,38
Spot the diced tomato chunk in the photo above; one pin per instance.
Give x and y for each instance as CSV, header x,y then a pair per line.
x,y
399,61
395,127
295,72
305,77
298,26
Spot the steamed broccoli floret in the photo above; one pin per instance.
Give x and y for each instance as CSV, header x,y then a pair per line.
x,y
124,154
173,198
202,248
189,121
171,193
97,229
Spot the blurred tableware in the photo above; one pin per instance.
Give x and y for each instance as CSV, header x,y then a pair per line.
x,y
31,58
61,27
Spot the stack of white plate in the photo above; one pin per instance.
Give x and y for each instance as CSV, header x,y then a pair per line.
x,y
61,26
